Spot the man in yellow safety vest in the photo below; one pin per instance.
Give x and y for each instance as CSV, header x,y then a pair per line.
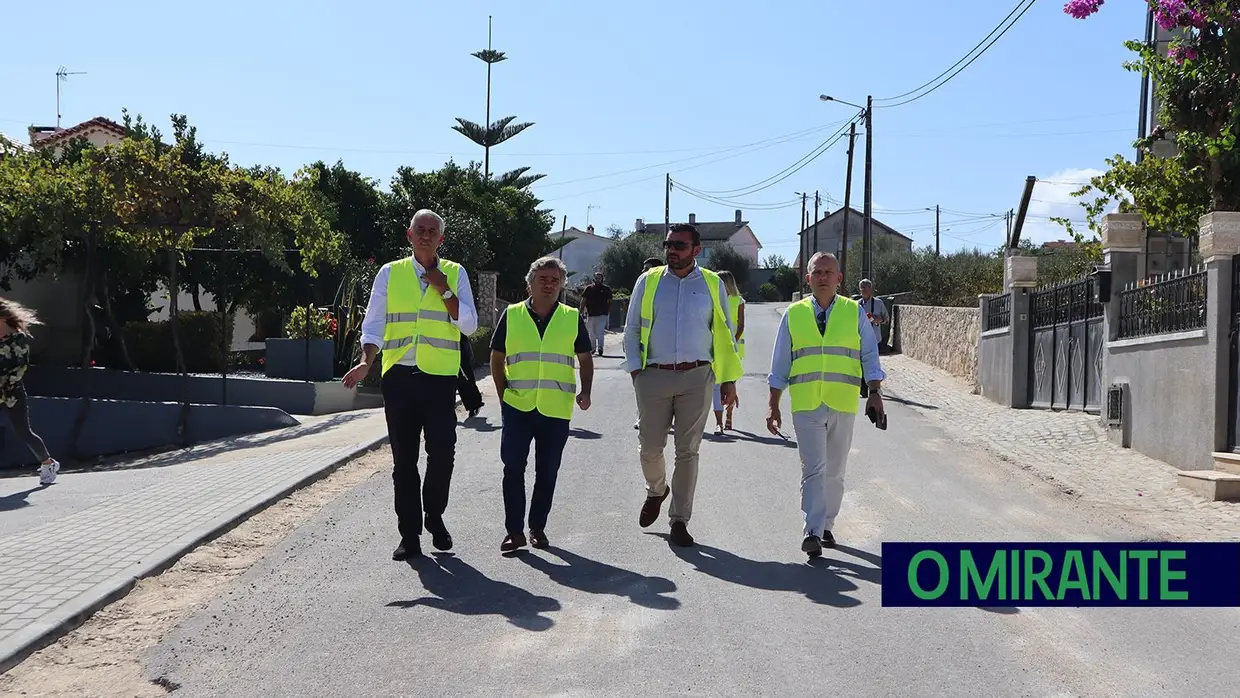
x,y
824,348
678,343
420,306
535,344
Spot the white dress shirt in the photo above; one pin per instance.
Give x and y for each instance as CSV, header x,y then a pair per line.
x,y
375,322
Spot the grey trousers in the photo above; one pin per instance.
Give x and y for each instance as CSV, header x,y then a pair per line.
x,y
663,397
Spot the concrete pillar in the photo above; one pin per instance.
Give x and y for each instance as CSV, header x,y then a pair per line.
x,y
485,298
1123,251
1019,271
1022,329
1219,244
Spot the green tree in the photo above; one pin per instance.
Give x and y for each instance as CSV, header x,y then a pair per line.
x,y
724,257
622,261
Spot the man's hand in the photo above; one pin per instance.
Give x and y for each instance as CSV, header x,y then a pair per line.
x,y
876,401
774,421
583,401
727,394
356,375
436,279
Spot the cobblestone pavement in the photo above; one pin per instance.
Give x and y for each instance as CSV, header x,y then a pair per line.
x,y
63,570
1068,449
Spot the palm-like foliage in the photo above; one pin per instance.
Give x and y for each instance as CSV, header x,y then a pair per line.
x,y
498,132
517,178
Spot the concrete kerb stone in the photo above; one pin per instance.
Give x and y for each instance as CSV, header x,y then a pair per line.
x,y
60,621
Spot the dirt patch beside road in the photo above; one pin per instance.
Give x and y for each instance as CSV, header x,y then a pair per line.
x,y
103,657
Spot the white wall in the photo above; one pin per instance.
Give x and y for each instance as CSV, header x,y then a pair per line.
x,y
582,256
243,324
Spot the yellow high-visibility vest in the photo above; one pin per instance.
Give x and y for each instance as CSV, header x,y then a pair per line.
x,y
422,320
725,362
826,367
734,307
539,369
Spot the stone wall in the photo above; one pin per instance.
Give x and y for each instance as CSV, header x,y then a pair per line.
x,y
484,298
942,337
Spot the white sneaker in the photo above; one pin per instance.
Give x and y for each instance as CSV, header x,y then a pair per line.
x,y
48,471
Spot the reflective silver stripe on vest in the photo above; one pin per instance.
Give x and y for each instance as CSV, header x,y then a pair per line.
x,y
535,356
397,343
402,317
449,344
645,324
440,315
543,384
825,376
829,351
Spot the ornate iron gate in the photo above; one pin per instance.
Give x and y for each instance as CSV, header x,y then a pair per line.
x,y
1065,364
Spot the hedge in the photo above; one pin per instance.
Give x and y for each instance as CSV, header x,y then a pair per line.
x,y
479,341
151,348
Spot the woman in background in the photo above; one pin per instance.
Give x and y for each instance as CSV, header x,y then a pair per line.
x,y
736,307
15,322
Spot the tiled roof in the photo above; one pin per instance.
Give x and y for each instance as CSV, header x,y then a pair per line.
x,y
65,133
12,144
710,232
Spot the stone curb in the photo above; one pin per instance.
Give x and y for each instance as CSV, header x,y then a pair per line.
x,y
58,622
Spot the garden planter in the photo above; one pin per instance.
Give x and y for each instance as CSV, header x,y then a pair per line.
x,y
286,358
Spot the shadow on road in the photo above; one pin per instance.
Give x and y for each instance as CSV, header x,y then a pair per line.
x,y
584,434
17,500
459,588
910,403
1001,610
596,577
480,424
825,580
750,436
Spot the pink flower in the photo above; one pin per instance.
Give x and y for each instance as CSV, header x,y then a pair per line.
x,y
1179,54
1080,9
371,260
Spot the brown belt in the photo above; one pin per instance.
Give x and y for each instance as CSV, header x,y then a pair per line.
x,y
686,366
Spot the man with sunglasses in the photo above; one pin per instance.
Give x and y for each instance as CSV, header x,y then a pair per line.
x,y
420,307
678,343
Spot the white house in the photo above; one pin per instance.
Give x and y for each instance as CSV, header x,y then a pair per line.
x,y
736,232
581,254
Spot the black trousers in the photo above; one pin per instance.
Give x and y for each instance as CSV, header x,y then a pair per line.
x,y
466,385
420,406
19,417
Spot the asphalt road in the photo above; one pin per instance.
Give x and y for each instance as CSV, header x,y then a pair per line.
x,y
611,609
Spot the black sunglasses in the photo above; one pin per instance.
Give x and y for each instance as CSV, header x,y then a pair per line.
x,y
675,245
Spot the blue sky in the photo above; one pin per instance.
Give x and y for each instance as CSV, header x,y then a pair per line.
x,y
615,90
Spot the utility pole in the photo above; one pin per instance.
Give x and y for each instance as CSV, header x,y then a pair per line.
x,y
667,205
852,140
936,230
869,185
801,236
816,202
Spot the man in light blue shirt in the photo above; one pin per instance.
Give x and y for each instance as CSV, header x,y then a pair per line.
x,y
824,435
677,382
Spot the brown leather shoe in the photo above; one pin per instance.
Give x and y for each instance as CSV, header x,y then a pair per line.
x,y
511,542
538,539
650,510
680,534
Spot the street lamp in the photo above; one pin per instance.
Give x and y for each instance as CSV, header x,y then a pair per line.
x,y
868,112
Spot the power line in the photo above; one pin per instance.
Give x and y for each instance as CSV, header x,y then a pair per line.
x,y
786,172
1027,4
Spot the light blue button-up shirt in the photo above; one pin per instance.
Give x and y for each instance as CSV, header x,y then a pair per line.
x,y
681,330
781,356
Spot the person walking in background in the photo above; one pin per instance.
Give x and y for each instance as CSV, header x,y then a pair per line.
x,y
678,343
596,304
15,323
736,307
419,308
466,383
823,348
532,356
875,309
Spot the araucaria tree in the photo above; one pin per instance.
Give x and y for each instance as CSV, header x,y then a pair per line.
x,y
1197,85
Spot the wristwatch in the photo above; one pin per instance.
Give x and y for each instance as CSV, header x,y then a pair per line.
x,y
447,294
874,391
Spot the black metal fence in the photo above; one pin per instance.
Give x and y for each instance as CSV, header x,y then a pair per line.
x,y
1066,346
998,313
1175,302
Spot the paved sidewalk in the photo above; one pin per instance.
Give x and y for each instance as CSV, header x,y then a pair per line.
x,y
151,512
1068,449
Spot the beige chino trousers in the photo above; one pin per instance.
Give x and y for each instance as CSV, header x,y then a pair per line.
x,y
664,396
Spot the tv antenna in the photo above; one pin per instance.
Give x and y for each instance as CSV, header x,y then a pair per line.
x,y
62,75
588,208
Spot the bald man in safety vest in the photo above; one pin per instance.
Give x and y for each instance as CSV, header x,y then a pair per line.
x,y
533,352
824,349
420,307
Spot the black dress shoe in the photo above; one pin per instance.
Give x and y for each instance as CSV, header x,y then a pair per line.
x,y
440,538
538,539
828,540
512,542
404,551
680,534
650,509
812,546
